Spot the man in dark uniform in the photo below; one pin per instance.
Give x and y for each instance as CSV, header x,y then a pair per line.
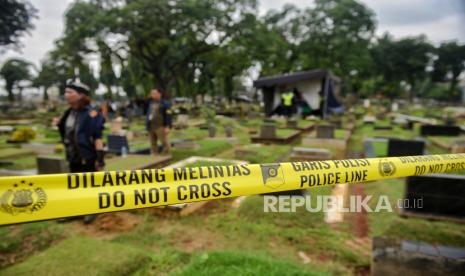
x,y
81,129
158,121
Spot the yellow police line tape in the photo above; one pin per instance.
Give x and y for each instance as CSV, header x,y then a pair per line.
x,y
42,197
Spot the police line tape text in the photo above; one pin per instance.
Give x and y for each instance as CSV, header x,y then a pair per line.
x,y
161,194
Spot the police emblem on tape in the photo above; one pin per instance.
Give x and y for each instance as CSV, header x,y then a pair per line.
x,y
23,198
273,176
386,168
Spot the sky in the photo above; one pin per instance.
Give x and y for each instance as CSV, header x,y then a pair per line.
x,y
440,20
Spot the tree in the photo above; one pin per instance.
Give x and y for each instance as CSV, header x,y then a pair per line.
x,y
46,78
449,65
274,45
107,74
336,34
14,71
15,20
167,36
404,60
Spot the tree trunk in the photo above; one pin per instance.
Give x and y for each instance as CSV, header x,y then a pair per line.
x,y
228,87
45,98
453,85
109,91
11,97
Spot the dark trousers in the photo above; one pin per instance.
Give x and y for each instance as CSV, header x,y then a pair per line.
x,y
287,111
88,166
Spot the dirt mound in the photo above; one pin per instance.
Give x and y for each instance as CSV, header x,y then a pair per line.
x,y
106,226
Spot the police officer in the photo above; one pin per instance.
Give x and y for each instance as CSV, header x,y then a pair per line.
x,y
287,102
81,129
158,121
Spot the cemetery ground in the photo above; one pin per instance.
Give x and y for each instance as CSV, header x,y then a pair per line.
x,y
224,236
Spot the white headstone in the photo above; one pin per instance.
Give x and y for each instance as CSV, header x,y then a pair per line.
x,y
366,103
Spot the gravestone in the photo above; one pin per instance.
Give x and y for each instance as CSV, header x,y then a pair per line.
x,y
400,121
49,165
440,195
291,123
228,131
116,126
369,149
211,130
398,147
392,257
116,143
309,154
369,119
337,123
448,121
325,131
268,130
439,130
366,103
182,121
186,145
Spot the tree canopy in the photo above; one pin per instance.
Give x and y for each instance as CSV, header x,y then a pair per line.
x,y
15,20
198,47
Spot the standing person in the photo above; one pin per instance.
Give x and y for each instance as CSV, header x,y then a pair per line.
x,y
287,98
158,121
81,129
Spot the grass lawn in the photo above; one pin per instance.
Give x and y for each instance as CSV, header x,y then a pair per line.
x,y
380,148
207,148
22,240
338,134
284,132
264,154
82,256
28,162
46,135
139,145
128,163
252,122
14,153
240,263
201,243
220,239
304,123
191,133
445,140
205,163
367,131
23,163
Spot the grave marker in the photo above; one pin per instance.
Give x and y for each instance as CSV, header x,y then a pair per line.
x,y
398,147
50,165
116,143
325,131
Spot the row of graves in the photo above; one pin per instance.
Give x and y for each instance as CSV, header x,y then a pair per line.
x,y
438,197
219,140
